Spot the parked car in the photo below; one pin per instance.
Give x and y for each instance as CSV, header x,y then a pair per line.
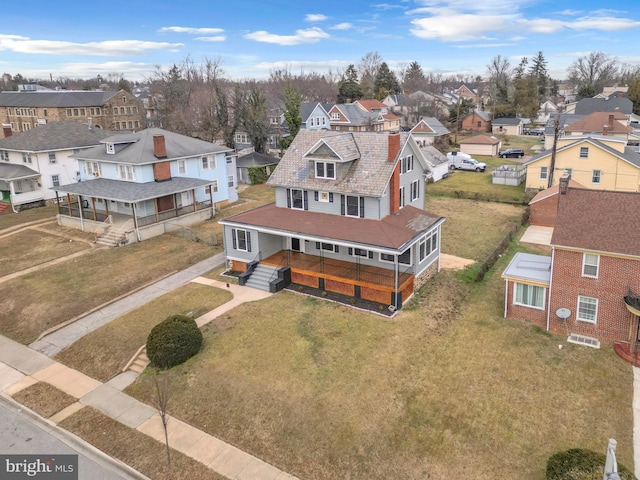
x,y
534,131
462,161
512,153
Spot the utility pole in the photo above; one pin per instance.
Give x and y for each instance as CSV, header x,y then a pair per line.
x,y
455,139
556,134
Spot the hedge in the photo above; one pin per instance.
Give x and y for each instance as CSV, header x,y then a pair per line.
x,y
173,341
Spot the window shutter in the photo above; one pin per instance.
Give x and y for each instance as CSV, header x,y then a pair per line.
x,y
248,234
315,195
318,245
330,197
233,237
288,198
361,207
341,204
350,251
370,254
306,200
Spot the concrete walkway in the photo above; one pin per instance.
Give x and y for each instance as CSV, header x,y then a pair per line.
x,y
21,367
60,339
538,235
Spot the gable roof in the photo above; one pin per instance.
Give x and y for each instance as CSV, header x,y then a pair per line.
x,y
480,140
369,173
486,116
551,191
433,156
630,154
138,147
62,135
307,108
596,121
355,115
430,125
590,105
59,98
610,226
507,121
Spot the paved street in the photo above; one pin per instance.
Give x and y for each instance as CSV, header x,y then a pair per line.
x,y
22,433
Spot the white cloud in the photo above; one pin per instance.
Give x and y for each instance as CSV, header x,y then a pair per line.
x,y
218,38
342,26
605,24
192,30
388,6
109,48
484,45
130,70
310,35
315,17
301,64
457,27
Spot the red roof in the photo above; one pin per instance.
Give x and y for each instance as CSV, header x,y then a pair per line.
x,y
482,140
392,232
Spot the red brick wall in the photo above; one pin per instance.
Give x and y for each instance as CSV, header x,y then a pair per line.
x,y
518,312
615,275
394,190
161,171
543,213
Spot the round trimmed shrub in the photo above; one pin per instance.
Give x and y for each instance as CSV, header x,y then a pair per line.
x,y
173,341
581,464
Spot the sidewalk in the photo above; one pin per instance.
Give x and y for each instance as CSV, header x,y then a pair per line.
x,y
21,367
60,339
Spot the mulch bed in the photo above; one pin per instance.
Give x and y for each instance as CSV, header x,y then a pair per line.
x,y
358,303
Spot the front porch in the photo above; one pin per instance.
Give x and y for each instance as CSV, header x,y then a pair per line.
x,y
353,279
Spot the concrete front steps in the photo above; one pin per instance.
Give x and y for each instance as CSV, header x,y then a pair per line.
x,y
110,239
261,276
138,362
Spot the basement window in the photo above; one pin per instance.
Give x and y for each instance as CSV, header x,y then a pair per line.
x,y
583,340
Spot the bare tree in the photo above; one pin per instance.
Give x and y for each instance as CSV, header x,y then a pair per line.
x,y
368,69
596,69
160,400
499,73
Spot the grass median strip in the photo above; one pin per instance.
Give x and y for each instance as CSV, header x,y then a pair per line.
x,y
44,399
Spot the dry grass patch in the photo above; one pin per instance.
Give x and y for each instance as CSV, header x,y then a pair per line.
x,y
103,353
31,247
447,389
32,303
134,448
473,228
9,220
44,399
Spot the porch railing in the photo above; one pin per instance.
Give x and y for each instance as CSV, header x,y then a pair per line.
x,y
87,213
104,226
173,213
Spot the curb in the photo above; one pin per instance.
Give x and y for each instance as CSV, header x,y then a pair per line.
x,y
75,442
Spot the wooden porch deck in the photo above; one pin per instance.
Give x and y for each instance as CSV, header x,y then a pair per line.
x,y
339,270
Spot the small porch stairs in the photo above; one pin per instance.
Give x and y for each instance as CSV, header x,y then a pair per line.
x,y
138,362
112,235
261,276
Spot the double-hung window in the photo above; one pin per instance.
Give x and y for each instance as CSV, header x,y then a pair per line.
x,y
587,309
231,181
326,170
241,239
584,152
126,172
52,157
4,155
406,164
182,167
354,206
529,295
92,168
595,176
296,199
544,173
401,203
590,263
427,244
415,190
208,163
55,180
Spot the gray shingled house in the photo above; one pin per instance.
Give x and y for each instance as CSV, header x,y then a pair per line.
x,y
348,218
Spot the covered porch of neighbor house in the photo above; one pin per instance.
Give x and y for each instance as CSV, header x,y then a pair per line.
x,y
630,350
19,185
352,279
124,212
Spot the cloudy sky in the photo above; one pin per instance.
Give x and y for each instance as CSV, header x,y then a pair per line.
x,y
252,38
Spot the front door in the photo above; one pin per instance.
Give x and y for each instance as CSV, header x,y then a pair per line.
x,y
295,245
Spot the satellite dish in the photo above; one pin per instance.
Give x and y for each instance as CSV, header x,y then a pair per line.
x,y
563,313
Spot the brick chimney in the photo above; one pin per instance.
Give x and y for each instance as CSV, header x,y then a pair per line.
x,y
564,184
159,147
394,146
6,130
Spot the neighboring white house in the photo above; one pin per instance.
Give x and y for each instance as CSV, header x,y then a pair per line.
x,y
32,162
142,184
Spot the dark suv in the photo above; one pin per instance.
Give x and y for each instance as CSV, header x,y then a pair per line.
x,y
512,153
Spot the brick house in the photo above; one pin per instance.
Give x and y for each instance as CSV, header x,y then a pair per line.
x,y
543,208
348,218
477,121
592,277
25,110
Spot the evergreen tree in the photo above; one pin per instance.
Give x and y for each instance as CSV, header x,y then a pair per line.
x,y
386,82
633,94
539,71
349,90
414,77
292,101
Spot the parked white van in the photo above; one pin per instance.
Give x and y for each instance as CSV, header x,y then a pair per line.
x,y
463,161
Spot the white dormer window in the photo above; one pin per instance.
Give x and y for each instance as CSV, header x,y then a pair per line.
x,y
326,170
111,148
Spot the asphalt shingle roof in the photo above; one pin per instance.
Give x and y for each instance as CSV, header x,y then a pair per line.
x,y
131,191
62,135
595,122
255,159
62,98
393,232
590,105
630,154
10,171
610,225
140,150
507,121
368,175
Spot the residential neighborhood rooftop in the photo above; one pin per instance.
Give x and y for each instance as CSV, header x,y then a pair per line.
x,y
57,135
